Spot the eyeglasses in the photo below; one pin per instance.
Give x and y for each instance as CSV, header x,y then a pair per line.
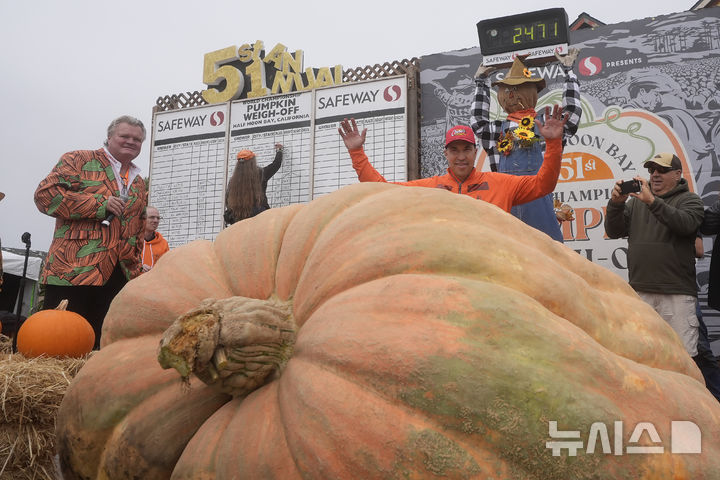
x,y
154,218
659,169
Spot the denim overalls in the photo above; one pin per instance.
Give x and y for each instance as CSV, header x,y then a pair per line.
x,y
539,213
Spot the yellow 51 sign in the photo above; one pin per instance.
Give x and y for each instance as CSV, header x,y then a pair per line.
x,y
232,73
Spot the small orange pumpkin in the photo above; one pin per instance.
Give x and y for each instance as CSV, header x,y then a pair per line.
x,y
55,333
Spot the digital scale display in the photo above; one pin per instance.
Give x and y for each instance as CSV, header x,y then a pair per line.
x,y
525,33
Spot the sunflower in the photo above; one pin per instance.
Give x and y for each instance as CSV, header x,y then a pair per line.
x,y
523,134
505,146
527,123
527,73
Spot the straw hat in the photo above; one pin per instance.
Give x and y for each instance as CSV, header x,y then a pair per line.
x,y
519,74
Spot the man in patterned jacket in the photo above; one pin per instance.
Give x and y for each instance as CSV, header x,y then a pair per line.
x,y
97,198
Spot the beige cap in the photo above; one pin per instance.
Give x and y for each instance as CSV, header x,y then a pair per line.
x,y
668,160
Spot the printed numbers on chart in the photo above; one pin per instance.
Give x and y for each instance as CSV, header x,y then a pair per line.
x,y
576,168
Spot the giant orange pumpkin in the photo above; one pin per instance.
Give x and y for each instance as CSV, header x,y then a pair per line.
x,y
55,333
399,333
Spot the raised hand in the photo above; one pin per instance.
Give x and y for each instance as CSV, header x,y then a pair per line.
x,y
484,70
569,59
350,134
554,123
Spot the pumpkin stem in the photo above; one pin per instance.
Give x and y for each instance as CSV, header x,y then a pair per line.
x,y
62,305
236,344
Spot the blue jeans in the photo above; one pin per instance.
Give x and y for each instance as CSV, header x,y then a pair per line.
x,y
538,213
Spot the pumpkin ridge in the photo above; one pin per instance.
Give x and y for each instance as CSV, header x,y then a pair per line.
x,y
555,284
309,224
174,289
253,273
602,303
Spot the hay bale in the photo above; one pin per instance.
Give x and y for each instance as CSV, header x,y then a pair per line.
x,y
30,394
5,346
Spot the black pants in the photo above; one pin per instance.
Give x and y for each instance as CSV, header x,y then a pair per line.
x,y
90,302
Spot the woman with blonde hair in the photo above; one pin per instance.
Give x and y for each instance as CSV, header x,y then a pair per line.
x,y
246,191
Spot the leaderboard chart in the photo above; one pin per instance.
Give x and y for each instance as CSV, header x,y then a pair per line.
x,y
258,125
194,150
187,172
379,106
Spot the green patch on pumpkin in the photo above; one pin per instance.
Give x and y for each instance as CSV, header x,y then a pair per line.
x,y
503,386
441,456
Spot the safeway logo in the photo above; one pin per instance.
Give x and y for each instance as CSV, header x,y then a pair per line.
x,y
392,93
217,119
590,66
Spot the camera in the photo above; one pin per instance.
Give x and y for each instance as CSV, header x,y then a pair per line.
x,y
630,186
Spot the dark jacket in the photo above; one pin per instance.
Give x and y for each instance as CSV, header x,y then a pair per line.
x,y
711,226
661,240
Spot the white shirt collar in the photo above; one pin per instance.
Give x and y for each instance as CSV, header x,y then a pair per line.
x,y
117,165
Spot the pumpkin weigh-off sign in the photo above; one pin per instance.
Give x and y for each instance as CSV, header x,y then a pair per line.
x,y
382,332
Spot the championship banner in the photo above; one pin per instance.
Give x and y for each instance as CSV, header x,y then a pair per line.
x,y
647,86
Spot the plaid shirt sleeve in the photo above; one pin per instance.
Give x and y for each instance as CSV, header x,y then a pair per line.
x,y
486,131
571,103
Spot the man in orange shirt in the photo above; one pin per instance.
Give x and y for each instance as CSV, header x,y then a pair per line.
x,y
500,189
154,245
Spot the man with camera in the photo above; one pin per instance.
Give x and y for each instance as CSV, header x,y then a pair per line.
x,y
660,218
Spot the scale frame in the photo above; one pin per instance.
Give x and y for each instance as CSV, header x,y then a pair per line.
x,y
504,38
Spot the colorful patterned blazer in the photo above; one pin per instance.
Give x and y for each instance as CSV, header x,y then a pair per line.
x,y
83,252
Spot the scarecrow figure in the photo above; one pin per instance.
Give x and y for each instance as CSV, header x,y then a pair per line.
x,y
514,145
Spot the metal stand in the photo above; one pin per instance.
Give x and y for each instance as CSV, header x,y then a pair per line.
x,y
21,292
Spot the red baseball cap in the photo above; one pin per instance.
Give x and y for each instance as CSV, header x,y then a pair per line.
x,y
461,132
